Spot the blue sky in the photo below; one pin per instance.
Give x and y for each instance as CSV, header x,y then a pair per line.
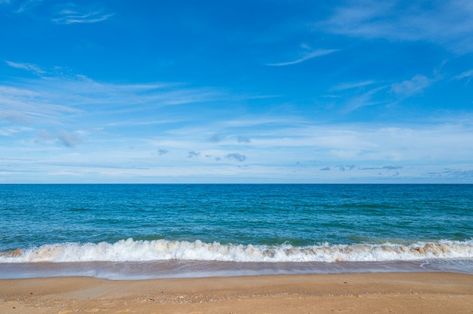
x,y
236,91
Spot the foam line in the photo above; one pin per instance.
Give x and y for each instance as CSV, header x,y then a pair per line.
x,y
131,250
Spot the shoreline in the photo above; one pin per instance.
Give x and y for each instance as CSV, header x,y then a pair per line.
x,y
130,271
318,293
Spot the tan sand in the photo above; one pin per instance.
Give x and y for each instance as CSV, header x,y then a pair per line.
x,y
342,293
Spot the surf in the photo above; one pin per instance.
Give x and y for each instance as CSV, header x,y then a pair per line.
x,y
129,250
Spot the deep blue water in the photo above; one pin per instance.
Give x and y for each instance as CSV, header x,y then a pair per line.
x,y
300,215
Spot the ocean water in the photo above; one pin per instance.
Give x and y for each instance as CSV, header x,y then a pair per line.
x,y
145,231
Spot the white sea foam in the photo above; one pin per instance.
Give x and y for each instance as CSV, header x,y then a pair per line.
x,y
131,250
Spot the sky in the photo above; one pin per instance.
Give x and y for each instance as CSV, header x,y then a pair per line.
x,y
236,91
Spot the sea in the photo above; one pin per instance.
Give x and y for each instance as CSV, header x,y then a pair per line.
x,y
142,231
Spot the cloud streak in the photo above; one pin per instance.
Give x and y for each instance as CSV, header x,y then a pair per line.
x,y
417,149
364,99
447,23
466,75
308,56
76,15
33,68
46,99
351,85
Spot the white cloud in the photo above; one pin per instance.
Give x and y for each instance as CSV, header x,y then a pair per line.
x,y
465,75
65,13
259,121
310,55
364,99
33,68
60,122
24,106
74,14
437,143
383,94
274,153
27,5
412,86
46,100
448,23
11,131
352,85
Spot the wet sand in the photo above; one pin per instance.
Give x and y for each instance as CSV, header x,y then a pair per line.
x,y
338,293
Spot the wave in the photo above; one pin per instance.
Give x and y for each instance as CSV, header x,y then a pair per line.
x,y
130,250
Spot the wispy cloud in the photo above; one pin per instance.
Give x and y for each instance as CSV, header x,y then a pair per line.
x,y
162,151
33,68
351,85
448,23
412,86
45,98
236,156
63,138
364,99
68,139
63,110
22,105
11,131
74,14
65,13
193,154
257,121
243,139
454,173
345,167
466,75
220,138
27,5
318,147
384,94
308,56
381,168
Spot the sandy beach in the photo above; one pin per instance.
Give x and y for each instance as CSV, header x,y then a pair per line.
x,y
340,293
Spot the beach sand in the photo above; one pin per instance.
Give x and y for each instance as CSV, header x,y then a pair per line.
x,y
340,293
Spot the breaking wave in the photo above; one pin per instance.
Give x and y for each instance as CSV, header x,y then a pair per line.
x,y
131,250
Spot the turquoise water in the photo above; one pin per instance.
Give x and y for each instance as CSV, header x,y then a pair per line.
x,y
235,223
